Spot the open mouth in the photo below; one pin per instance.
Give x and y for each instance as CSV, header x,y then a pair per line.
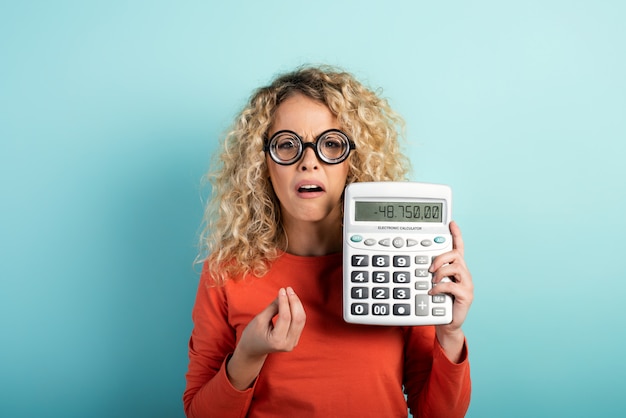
x,y
310,188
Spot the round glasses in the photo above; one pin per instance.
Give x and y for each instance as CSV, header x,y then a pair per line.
x,y
331,146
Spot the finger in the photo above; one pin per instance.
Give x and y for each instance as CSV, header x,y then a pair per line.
x,y
457,238
298,319
283,320
443,287
454,256
267,314
461,294
462,300
454,272
459,280
445,259
298,315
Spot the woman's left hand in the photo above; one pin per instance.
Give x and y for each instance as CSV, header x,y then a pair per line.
x,y
460,287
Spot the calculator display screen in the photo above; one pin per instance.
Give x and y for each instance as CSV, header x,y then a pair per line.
x,y
398,212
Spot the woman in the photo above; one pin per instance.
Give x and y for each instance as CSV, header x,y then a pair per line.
x,y
269,339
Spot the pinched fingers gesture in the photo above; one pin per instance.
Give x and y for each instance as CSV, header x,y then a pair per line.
x,y
277,328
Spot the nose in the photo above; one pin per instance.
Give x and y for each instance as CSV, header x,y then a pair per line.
x,y
309,159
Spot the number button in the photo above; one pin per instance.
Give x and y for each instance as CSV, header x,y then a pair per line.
x,y
380,260
360,260
401,276
380,309
380,293
401,293
401,261
381,277
359,292
360,309
360,276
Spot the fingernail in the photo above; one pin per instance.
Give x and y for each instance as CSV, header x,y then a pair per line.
x,y
282,292
290,291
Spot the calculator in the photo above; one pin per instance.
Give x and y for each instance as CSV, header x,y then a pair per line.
x,y
392,232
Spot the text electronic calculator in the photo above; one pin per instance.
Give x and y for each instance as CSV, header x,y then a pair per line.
x,y
392,231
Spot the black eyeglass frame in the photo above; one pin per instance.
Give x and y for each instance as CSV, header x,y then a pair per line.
x,y
267,147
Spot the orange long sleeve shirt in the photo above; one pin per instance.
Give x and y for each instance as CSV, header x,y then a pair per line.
x,y
337,369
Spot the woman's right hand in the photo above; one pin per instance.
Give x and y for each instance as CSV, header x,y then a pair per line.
x,y
264,335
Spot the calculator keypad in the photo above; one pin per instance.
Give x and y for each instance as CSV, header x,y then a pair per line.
x,y
394,286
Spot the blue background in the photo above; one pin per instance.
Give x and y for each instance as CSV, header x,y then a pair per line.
x,y
109,112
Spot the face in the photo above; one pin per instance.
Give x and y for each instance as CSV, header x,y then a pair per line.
x,y
308,190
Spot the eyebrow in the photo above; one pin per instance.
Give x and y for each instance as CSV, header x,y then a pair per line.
x,y
303,137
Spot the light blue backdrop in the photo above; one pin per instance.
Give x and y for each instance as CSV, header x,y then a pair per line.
x,y
109,112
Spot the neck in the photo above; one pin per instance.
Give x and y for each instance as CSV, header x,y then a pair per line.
x,y
311,239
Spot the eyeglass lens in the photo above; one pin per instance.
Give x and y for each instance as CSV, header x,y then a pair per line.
x,y
332,147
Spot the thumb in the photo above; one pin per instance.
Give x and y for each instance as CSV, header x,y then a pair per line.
x,y
269,312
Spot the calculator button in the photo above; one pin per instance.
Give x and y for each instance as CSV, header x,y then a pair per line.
x,y
421,272
421,259
401,261
401,309
381,277
384,242
426,243
359,309
380,260
422,285
356,238
439,298
439,311
401,293
359,292
380,293
369,242
421,305
359,276
360,260
401,277
411,242
380,309
440,240
398,242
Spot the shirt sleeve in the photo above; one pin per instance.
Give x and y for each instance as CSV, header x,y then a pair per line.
x,y
435,386
208,391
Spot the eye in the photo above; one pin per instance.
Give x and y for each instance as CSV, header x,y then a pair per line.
x,y
330,143
285,142
333,143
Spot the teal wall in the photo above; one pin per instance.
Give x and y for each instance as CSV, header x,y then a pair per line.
x,y
109,112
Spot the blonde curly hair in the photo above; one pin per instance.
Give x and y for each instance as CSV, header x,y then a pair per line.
x,y
242,229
